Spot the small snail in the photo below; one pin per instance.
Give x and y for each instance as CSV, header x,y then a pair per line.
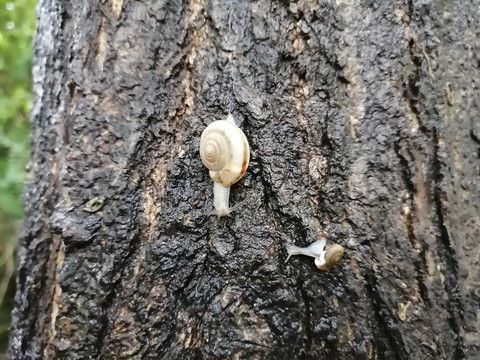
x,y
225,152
324,259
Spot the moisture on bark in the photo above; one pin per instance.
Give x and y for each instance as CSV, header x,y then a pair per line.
x,y
363,122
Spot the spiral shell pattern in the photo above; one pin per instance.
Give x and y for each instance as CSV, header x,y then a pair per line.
x,y
224,151
333,255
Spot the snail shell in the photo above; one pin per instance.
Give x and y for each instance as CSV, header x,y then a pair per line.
x,y
224,151
333,255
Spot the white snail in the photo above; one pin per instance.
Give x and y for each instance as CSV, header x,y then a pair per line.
x,y
325,259
225,152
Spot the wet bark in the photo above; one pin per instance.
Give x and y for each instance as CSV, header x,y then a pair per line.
x,y
363,122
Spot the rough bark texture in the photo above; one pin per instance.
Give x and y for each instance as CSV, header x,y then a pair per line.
x,y
363,121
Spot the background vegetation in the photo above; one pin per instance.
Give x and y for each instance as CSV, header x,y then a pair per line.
x,y
17,24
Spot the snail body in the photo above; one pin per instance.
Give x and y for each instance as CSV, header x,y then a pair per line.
x,y
324,258
224,150
220,199
316,249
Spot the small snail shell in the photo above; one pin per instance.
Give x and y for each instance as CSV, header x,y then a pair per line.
x,y
225,152
333,254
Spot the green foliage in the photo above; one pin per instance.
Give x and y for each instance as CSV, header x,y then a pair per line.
x,y
17,24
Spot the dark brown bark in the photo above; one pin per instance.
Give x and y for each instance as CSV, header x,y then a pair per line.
x,y
363,121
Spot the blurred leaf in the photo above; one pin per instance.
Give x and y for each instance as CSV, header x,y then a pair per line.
x,y
17,24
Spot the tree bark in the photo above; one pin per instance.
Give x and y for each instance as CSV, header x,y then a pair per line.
x,y
363,123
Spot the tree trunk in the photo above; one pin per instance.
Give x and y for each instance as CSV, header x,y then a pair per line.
x,y
363,123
